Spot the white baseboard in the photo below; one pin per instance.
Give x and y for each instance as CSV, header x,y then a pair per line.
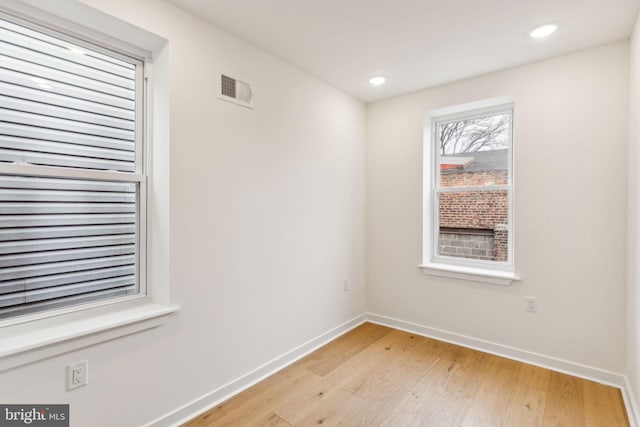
x,y
555,364
225,392
630,403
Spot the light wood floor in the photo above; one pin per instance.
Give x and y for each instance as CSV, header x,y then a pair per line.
x,y
377,376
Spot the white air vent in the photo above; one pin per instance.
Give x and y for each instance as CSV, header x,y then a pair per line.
x,y
232,90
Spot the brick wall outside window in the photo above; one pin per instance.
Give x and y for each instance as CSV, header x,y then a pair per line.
x,y
465,217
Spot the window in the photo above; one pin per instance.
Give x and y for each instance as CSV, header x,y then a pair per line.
x,y
72,178
469,190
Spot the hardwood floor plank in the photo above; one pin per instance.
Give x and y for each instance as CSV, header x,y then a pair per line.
x,y
329,357
377,376
335,411
295,406
272,420
527,405
249,407
444,393
366,360
389,359
383,390
564,404
246,398
418,404
603,406
489,407
361,364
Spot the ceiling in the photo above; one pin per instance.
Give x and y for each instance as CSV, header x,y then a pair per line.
x,y
414,43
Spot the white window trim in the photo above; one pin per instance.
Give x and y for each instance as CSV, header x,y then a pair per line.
x,y
451,267
493,277
29,342
44,335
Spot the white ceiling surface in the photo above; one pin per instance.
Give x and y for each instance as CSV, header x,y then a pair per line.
x,y
414,43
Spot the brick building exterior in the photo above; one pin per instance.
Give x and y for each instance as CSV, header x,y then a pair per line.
x,y
474,224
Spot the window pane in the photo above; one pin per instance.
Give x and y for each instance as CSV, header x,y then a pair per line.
x,y
65,241
474,225
474,152
64,105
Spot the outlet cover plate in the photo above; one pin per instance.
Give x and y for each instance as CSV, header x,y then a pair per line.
x,y
77,374
532,304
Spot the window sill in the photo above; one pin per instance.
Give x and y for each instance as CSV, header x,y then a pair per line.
x,y
494,277
41,339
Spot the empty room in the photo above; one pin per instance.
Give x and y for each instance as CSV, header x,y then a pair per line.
x,y
319,212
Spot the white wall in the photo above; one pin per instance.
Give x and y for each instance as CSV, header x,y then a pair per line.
x,y
267,218
633,243
570,211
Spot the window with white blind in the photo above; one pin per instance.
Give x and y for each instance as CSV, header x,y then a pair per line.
x,y
72,183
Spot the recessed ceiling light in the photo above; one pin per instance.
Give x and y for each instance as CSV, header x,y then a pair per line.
x,y
543,31
377,81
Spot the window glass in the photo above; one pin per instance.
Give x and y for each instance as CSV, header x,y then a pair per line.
x,y
70,174
473,186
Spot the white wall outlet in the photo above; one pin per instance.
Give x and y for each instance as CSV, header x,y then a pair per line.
x,y
77,374
532,304
345,285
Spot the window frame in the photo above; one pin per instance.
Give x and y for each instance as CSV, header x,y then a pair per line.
x,y
138,177
494,272
38,336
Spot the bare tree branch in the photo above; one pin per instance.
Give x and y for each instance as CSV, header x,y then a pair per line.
x,y
486,133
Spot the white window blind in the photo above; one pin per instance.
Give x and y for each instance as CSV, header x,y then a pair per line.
x,y
71,180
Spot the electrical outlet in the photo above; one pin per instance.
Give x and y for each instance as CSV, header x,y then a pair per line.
x,y
532,304
345,285
77,374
